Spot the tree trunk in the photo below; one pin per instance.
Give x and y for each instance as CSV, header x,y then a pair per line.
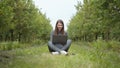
x,y
103,36
19,37
96,36
12,36
108,35
0,38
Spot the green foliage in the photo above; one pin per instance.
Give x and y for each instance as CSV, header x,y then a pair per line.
x,y
21,21
12,45
38,42
103,45
94,19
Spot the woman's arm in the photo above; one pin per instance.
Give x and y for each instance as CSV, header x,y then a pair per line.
x,y
51,35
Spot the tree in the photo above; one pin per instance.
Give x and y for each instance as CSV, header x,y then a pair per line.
x,y
96,18
21,20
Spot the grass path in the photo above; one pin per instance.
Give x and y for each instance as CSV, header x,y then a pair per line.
x,y
80,56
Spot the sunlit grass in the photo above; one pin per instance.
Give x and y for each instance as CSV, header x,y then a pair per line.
x,y
81,55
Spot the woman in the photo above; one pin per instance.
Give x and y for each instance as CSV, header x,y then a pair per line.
x,y
58,48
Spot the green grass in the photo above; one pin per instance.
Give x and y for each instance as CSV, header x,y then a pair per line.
x,y
81,55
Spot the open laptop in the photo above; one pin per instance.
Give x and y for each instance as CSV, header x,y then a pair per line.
x,y
59,39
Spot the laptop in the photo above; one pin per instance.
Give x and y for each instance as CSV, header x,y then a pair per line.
x,y
59,39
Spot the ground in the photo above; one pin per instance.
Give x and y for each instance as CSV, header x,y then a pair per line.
x,y
80,56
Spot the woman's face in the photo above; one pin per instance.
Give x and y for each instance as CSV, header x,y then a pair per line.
x,y
59,26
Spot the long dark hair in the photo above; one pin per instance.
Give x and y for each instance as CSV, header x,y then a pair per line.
x,y
56,29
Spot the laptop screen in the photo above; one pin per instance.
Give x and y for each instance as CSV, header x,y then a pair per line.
x,y
59,39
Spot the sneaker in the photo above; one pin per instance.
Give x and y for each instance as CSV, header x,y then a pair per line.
x,y
63,52
55,53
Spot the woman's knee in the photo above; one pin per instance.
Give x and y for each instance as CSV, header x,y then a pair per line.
x,y
50,46
69,41
49,43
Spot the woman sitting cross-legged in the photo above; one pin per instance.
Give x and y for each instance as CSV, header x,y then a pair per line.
x,y
59,48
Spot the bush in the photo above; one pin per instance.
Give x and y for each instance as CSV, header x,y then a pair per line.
x,y
5,46
12,45
115,45
38,42
103,45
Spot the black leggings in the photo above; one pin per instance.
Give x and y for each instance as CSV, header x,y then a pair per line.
x,y
59,47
